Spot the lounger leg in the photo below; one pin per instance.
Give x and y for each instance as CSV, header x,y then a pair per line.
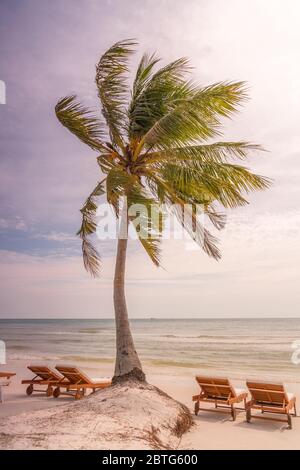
x,y
1,395
248,414
233,413
289,420
79,394
29,390
295,411
56,392
197,406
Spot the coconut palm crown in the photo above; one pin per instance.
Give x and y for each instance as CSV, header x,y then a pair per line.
x,y
157,143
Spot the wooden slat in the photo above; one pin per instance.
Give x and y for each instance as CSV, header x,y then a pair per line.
x,y
215,386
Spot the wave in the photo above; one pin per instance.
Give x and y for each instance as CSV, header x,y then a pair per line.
x,y
167,362
31,357
90,330
88,359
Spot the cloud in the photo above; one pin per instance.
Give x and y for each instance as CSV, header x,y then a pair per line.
x,y
55,236
13,223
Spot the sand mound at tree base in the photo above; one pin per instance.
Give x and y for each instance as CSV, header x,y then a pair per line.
x,y
125,416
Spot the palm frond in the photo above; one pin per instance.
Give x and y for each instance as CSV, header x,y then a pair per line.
x,y
148,220
111,81
81,122
218,219
118,182
143,75
119,185
91,257
157,95
218,152
195,117
199,234
201,187
204,183
186,213
151,246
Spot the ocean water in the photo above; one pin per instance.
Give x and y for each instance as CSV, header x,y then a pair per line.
x,y
236,347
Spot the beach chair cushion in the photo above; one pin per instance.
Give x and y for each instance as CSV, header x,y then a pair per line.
x,y
268,392
217,387
239,391
76,376
290,396
45,372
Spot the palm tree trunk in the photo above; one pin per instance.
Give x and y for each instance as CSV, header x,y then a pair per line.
x,y
127,361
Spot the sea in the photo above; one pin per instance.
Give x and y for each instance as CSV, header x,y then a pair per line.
x,y
239,348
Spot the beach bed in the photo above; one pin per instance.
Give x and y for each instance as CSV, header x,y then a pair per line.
x,y
220,392
44,376
270,398
4,382
76,383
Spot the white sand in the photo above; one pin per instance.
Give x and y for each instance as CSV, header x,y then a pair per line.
x,y
211,430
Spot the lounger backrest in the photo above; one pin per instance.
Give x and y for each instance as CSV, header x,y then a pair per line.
x,y
267,392
216,387
45,372
73,374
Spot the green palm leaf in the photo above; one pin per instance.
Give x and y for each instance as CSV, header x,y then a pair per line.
x,y
223,182
111,80
198,233
150,220
154,95
218,152
80,121
196,116
91,257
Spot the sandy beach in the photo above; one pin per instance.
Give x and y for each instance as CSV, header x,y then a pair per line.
x,y
210,430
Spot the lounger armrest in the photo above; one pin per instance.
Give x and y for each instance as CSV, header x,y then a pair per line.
x,y
291,403
240,395
196,397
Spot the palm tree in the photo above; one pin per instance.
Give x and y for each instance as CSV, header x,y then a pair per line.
x,y
152,148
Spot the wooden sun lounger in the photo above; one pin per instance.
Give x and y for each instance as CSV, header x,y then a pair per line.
x,y
4,382
76,382
44,375
270,398
220,392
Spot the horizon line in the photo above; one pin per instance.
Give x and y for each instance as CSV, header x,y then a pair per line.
x,y
159,318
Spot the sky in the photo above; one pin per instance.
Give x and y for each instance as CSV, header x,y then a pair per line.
x,y
48,49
